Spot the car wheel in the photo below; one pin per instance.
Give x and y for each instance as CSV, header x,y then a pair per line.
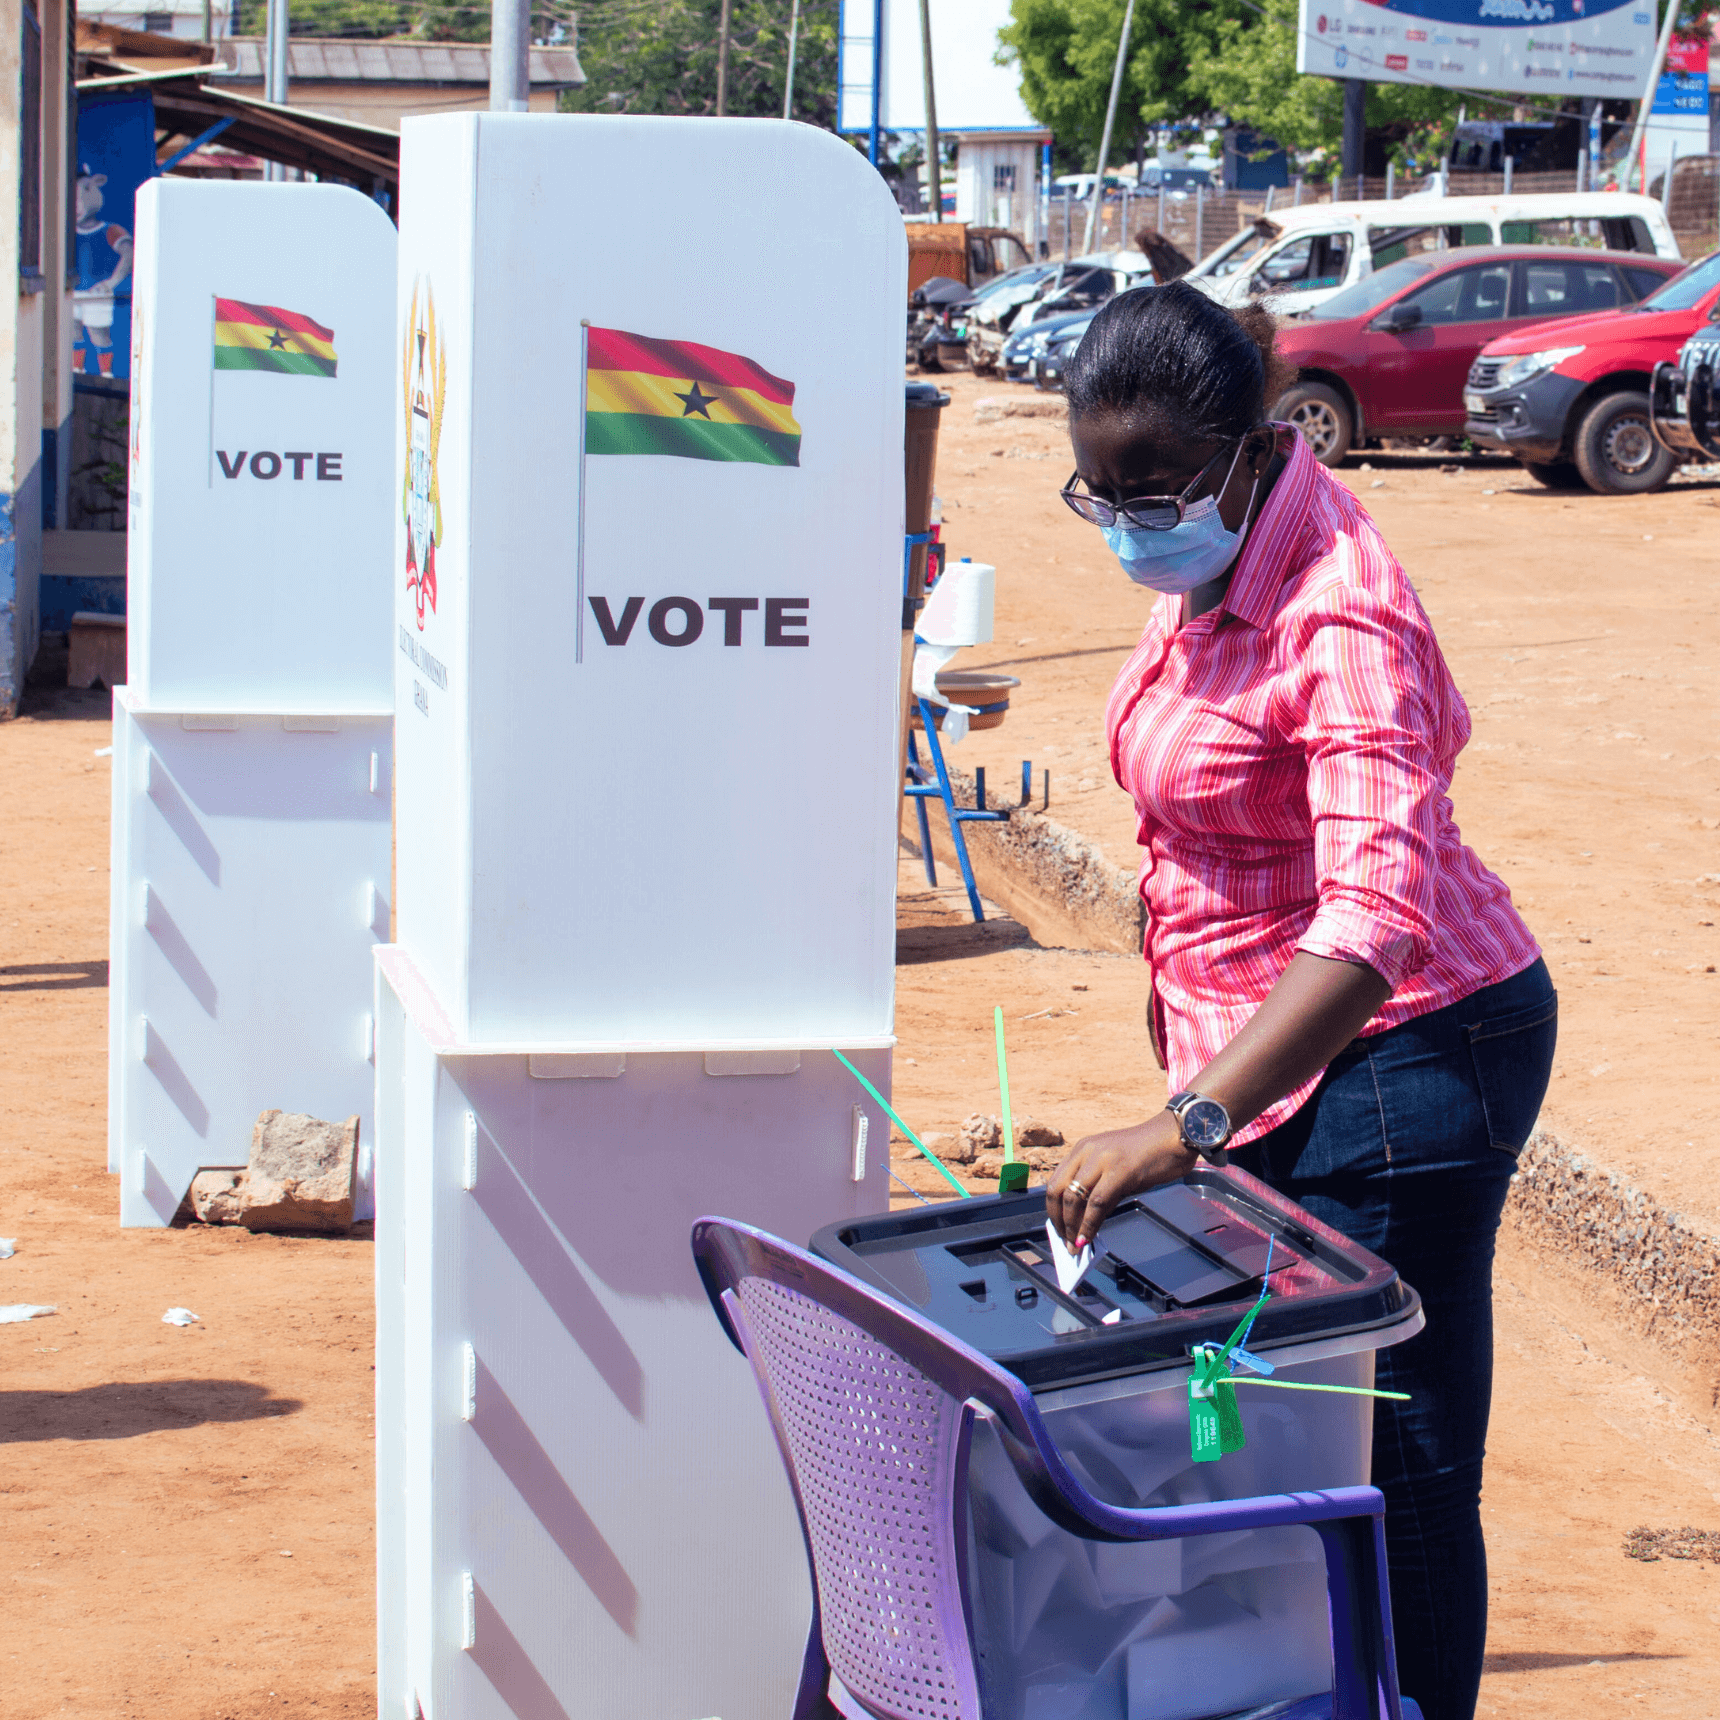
x,y
1561,475
1320,414
1616,451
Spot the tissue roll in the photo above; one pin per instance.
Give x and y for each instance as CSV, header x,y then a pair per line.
x,y
959,611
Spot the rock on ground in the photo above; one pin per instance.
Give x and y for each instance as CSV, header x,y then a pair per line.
x,y
300,1176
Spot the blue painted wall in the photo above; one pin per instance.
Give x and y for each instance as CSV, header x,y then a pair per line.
x,y
20,571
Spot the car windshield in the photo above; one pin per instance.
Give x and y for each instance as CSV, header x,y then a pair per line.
x,y
1358,300
1027,275
1680,293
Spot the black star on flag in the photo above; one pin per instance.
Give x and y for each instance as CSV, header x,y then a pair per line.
x,y
697,402
277,340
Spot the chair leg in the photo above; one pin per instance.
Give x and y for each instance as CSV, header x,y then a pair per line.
x,y
1364,1664
948,796
812,1699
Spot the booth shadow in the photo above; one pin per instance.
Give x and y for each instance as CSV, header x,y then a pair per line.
x,y
167,1069
948,943
509,1205
1535,1660
54,976
123,1409
548,1497
506,1664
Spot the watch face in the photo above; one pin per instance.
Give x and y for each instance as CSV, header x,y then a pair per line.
x,y
1205,1123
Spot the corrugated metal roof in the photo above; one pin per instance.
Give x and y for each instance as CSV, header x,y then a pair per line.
x,y
331,60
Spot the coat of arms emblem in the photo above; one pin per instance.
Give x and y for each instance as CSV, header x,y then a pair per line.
x,y
424,378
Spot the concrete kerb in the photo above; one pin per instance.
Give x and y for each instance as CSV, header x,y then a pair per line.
x,y
1059,884
1665,1268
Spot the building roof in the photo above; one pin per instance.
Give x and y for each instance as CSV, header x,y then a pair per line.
x,y
345,61
324,144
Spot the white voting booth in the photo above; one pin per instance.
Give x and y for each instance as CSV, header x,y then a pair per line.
x,y
252,759
646,701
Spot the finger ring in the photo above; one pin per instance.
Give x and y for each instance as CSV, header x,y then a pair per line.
x,y
1077,1188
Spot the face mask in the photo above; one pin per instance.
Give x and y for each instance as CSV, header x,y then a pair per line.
x,y
1190,553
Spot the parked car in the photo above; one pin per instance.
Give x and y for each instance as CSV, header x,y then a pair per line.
x,y
1078,285
1177,182
937,326
1390,355
1573,403
1049,366
1682,402
1026,347
1295,259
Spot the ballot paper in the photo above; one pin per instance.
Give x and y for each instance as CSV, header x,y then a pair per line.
x,y
1071,1268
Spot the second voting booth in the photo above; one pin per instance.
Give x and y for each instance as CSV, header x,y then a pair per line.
x,y
252,740
648,535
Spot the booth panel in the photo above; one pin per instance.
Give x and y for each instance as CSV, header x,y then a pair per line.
x,y
255,884
599,1519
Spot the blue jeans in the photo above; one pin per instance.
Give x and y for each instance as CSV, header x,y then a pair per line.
x,y
1407,1146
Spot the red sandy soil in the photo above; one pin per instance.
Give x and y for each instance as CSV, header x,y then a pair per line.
x,y
159,1478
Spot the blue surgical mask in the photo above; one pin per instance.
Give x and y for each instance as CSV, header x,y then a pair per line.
x,y
1184,557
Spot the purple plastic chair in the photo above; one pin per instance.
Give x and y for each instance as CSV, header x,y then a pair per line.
x,y
873,1408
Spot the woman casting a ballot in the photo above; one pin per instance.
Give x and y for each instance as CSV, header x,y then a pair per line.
x,y
1347,1002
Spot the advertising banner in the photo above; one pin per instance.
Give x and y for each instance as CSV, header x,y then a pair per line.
x,y
1555,48
1683,87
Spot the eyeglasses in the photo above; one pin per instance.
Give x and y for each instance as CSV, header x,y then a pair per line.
x,y
1149,513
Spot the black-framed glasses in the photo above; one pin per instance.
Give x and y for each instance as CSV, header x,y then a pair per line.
x,y
1149,513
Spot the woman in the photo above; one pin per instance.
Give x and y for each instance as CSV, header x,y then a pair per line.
x,y
1348,1003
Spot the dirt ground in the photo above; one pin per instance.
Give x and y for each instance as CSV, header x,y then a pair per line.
x,y
1584,632
187,1512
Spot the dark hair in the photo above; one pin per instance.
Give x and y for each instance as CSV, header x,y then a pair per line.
x,y
1172,353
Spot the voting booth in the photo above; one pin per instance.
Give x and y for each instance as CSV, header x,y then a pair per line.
x,y
252,755
649,515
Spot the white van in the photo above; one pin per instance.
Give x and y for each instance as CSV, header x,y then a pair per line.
x,y
1293,259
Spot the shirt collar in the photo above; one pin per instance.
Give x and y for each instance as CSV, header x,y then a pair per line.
x,y
1269,556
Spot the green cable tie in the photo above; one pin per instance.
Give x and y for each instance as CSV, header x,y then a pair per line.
x,y
1013,1177
889,1111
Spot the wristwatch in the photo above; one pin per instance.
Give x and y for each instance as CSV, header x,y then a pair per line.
x,y
1205,1125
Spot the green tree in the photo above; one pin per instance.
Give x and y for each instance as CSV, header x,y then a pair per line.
x,y
1245,67
662,59
1066,51
425,20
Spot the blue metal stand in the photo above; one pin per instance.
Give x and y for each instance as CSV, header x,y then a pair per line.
x,y
923,784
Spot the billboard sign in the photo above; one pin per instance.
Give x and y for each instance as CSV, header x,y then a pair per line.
x,y
1555,48
974,93
1683,87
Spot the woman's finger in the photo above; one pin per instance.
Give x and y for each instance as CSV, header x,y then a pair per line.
x,y
1066,1195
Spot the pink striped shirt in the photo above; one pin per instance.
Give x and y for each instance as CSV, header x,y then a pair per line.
x,y
1290,756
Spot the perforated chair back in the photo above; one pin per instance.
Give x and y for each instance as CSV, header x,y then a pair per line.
x,y
878,1452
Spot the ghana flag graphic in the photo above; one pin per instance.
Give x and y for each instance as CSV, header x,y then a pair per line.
x,y
265,337
675,397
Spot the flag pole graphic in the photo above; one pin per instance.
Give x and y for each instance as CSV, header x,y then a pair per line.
x,y
579,551
214,316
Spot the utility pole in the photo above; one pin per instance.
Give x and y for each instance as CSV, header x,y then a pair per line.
x,y
788,80
934,153
208,20
275,71
723,62
1355,127
510,55
1646,106
1110,120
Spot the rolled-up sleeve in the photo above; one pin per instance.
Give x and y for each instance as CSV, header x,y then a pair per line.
x,y
1367,716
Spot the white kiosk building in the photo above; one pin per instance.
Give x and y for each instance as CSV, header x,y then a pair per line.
x,y
648,578
252,756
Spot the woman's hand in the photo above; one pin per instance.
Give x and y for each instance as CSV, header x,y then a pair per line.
x,y
1106,1169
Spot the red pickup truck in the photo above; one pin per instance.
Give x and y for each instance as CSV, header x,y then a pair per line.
x,y
1571,399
